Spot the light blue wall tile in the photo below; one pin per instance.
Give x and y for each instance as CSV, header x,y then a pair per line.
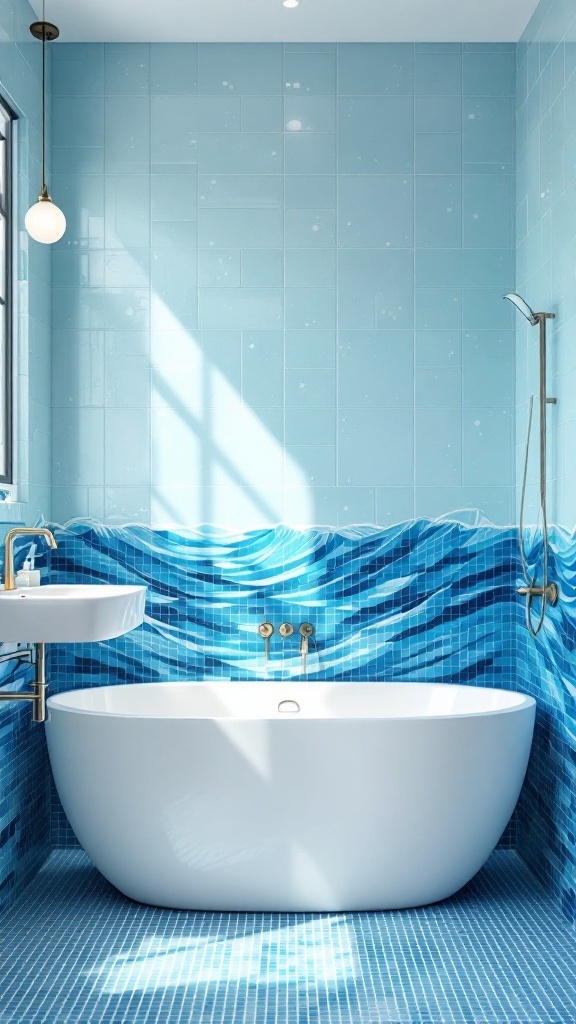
x,y
174,68
394,505
487,211
218,268
485,306
82,77
174,196
438,386
438,208
222,351
305,389
173,132
306,268
125,504
438,309
438,447
244,308
264,267
77,269
375,289
488,74
309,228
361,149
227,244
486,267
376,211
127,134
438,268
229,191
78,446
312,153
219,113
486,446
438,74
81,198
312,73
438,348
371,69
232,153
316,464
310,308
128,268
127,383
127,447
173,281
488,131
262,113
488,368
240,229
304,113
306,425
124,309
126,69
311,349
77,121
388,460
438,113
78,368
240,68
78,160
169,234
375,368
263,368
127,211
310,191
438,153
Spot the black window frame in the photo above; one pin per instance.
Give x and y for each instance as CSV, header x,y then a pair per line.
x,y
7,312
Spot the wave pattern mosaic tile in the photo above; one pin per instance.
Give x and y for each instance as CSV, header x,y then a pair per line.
x,y
546,670
496,953
419,601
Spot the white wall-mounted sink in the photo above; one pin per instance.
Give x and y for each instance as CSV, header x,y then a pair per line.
x,y
69,613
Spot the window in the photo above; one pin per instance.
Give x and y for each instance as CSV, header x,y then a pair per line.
x,y
6,252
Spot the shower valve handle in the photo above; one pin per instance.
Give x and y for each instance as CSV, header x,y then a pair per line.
x,y
265,630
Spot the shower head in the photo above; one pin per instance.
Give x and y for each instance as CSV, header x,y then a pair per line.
x,y
523,307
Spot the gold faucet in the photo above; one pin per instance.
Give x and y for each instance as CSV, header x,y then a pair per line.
x,y
21,531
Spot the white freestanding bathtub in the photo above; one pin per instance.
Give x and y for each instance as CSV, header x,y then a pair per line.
x,y
289,796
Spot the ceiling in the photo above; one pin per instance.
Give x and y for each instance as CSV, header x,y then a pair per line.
x,y
269,21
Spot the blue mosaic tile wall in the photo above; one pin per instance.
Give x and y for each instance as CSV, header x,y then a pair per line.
x,y
423,600
546,836
24,770
545,260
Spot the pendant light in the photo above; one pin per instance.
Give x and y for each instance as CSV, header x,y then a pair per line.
x,y
44,221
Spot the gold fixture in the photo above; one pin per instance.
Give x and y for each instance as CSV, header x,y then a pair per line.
x,y
33,653
21,531
286,629
306,630
265,630
37,658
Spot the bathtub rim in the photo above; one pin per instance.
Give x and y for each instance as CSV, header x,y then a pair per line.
x,y
61,702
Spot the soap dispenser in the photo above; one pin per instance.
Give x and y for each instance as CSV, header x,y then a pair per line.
x,y
28,576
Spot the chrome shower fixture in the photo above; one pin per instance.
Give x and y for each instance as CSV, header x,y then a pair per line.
x,y
547,592
524,308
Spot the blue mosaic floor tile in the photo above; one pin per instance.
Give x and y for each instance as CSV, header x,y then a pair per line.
x,y
74,951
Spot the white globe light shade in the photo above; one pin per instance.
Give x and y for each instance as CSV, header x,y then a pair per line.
x,y
45,222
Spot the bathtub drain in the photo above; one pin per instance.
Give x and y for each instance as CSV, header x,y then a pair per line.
x,y
289,706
